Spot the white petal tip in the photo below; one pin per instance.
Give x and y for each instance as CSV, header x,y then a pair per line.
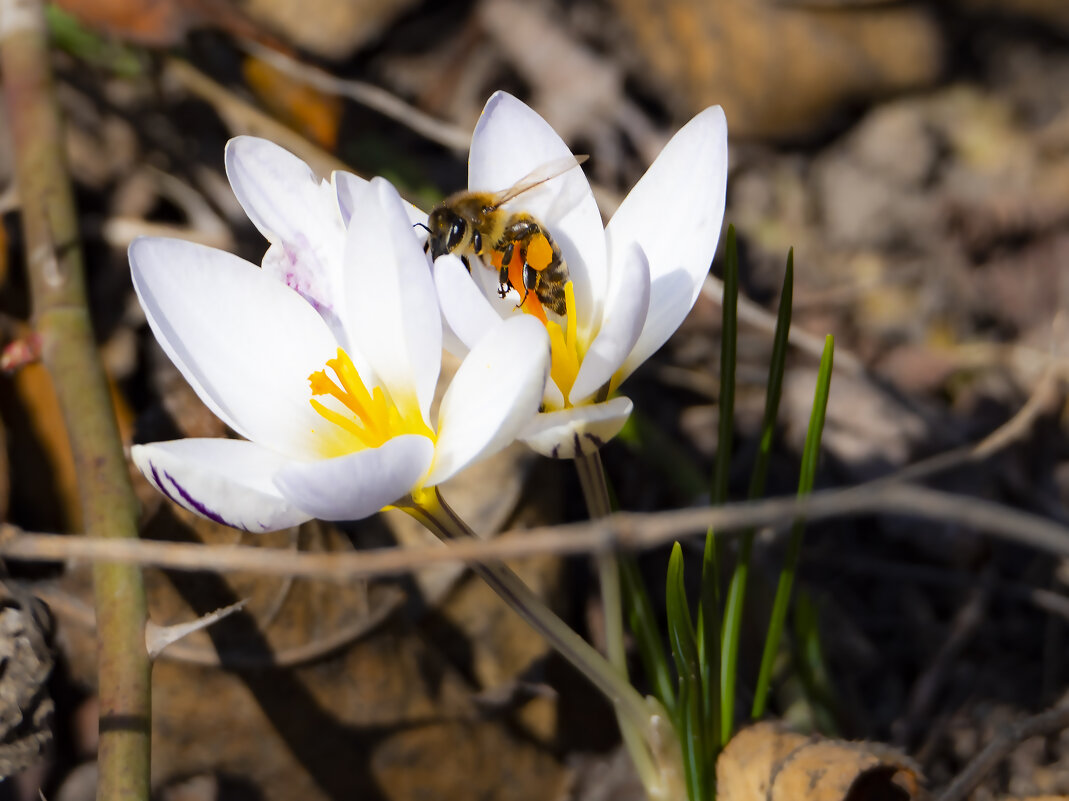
x,y
583,429
180,470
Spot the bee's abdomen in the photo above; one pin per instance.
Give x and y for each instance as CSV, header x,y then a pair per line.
x,y
553,274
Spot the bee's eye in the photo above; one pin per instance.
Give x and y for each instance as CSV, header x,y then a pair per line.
x,y
456,234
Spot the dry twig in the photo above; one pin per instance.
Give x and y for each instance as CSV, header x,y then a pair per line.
x,y
1045,723
628,531
374,97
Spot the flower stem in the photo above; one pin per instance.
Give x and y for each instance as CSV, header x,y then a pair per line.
x,y
68,350
596,491
641,720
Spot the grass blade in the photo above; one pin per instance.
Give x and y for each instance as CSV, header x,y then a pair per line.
x,y
647,633
709,648
685,653
811,666
794,548
709,607
729,333
736,596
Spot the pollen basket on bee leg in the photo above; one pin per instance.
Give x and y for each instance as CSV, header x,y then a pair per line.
x,y
539,252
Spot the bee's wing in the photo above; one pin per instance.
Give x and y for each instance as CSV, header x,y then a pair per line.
x,y
539,175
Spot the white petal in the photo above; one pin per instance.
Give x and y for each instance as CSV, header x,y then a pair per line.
x,y
297,213
244,342
347,183
675,213
553,398
494,394
465,309
510,141
393,306
356,485
625,314
560,435
225,480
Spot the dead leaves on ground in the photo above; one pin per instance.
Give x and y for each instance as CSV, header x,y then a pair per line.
x,y
768,763
800,63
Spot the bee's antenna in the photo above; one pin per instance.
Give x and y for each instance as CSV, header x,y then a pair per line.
x,y
421,225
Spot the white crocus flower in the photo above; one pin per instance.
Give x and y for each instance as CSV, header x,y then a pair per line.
x,y
633,281
330,385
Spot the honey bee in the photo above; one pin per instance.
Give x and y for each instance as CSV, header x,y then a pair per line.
x,y
514,243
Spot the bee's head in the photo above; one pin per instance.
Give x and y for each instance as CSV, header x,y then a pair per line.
x,y
448,232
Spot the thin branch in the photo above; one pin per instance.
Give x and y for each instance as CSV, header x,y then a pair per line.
x,y
68,350
1044,396
628,531
1045,723
374,97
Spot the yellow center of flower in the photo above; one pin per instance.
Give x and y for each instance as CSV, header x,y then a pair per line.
x,y
565,347
361,419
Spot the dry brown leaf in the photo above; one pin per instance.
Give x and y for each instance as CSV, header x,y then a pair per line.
x,y
765,762
572,87
367,715
328,28
25,704
1050,11
313,113
780,71
832,770
3,254
45,486
160,23
38,441
745,766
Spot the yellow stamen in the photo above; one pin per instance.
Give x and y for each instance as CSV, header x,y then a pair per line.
x,y
564,347
375,418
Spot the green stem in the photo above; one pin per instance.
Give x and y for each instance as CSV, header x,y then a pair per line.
x,y
639,718
68,350
596,491
598,503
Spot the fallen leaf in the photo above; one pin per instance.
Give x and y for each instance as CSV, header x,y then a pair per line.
x,y
765,762
745,767
312,112
801,65
161,23
331,29
25,705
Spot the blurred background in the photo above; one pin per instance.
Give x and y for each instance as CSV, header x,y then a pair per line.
x,y
916,157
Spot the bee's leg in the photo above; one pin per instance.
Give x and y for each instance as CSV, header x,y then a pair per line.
x,y
530,276
506,255
530,279
522,230
466,263
504,285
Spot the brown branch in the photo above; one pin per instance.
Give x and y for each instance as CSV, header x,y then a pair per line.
x,y
1045,723
627,531
374,97
68,350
